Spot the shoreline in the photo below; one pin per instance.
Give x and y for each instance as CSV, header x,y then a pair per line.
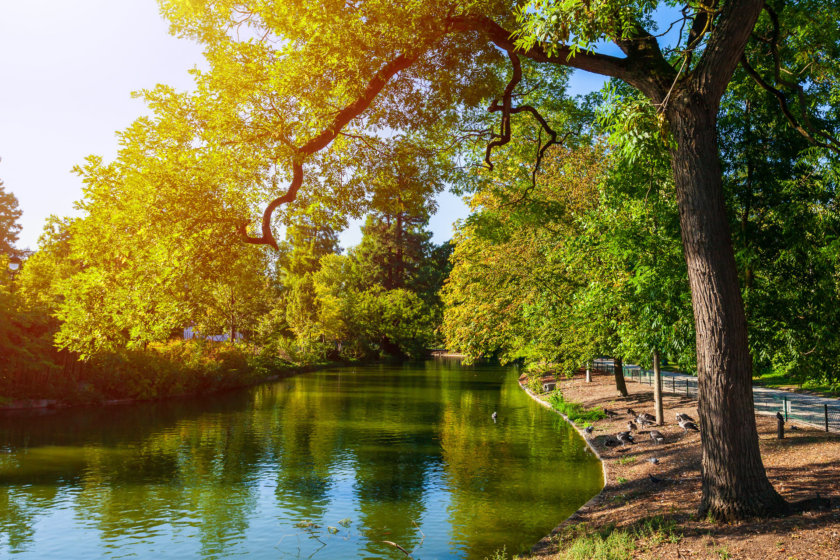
x,y
647,508
545,542
41,406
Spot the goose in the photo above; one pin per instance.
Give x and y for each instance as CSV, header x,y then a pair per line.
x,y
632,426
688,425
686,417
632,413
657,436
589,430
625,438
644,421
610,413
649,417
609,442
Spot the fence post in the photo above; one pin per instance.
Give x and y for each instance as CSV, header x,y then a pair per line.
x,y
826,417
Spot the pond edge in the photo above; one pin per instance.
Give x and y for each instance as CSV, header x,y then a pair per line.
x,y
545,542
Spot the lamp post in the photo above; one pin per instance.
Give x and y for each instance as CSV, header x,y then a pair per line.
x,y
14,265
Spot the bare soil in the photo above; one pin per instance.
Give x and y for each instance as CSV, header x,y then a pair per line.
x,y
806,462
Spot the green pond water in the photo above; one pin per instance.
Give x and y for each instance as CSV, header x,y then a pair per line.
x,y
322,465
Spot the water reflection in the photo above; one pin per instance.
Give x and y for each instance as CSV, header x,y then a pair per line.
x,y
327,464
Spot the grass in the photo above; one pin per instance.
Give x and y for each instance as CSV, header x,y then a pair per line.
x,y
608,543
574,411
779,379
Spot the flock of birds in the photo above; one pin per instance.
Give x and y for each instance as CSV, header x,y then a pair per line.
x,y
624,438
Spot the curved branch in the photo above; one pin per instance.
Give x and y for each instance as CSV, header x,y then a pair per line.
x,y
504,138
267,237
326,136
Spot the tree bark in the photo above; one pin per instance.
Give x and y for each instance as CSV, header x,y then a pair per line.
x,y
588,372
657,389
735,484
618,372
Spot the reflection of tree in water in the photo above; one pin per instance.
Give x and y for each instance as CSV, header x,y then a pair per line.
x,y
484,463
18,510
210,476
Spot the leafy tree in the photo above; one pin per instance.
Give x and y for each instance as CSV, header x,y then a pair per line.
x,y
264,101
9,226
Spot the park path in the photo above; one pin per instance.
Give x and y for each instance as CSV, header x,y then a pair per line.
x,y
820,412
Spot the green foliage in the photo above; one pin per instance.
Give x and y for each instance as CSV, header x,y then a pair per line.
x,y
575,411
9,226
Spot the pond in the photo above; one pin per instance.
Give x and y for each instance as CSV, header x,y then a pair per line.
x,y
328,465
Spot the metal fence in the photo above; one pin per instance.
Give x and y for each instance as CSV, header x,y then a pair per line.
x,y
794,407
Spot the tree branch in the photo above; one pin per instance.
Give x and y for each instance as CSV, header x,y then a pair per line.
x,y
591,62
327,135
807,130
724,48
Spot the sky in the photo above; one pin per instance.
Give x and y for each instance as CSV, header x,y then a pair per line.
x,y
67,70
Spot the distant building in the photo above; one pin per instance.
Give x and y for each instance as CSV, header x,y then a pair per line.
x,y
190,333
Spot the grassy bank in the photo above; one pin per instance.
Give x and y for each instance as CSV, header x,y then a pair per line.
x,y
163,370
791,382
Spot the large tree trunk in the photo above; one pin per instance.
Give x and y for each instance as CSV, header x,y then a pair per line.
x,y
618,372
735,484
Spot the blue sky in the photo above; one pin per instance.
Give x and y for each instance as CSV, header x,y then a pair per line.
x,y
67,70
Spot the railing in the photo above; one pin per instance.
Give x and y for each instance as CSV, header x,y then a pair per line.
x,y
794,407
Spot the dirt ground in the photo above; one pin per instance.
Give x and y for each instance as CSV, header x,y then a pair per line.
x,y
804,463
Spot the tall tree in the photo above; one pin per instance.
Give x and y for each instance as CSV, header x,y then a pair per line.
x,y
9,226
433,56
